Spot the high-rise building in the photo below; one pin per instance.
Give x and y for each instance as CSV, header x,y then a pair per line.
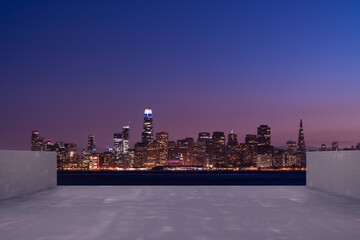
x,y
49,146
140,154
37,141
200,155
91,144
204,136
249,150
233,153
251,139
162,138
218,149
126,139
291,147
172,150
301,149
118,145
71,155
60,154
232,139
148,128
185,150
264,135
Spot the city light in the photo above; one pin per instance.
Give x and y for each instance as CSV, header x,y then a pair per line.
x,y
208,152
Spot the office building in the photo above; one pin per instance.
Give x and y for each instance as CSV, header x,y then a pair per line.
x,y
264,135
125,139
37,141
91,144
148,127
291,147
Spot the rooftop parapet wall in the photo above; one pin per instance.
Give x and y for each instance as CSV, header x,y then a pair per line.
x,y
334,172
26,172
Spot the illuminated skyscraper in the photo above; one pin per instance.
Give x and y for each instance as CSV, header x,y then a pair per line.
x,y
126,139
291,147
118,143
204,136
251,139
233,153
70,154
232,139
37,141
162,138
301,149
218,149
185,150
91,144
148,129
49,146
250,150
172,150
264,135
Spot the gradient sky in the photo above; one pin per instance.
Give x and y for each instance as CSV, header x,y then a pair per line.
x,y
71,68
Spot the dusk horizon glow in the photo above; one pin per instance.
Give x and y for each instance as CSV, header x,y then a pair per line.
x,y
71,69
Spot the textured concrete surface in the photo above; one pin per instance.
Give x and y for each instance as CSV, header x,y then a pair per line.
x,y
179,212
24,172
334,172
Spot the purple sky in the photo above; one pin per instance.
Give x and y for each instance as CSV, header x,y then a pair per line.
x,y
71,69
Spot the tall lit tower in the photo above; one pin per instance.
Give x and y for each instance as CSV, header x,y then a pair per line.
x,y
126,139
37,141
148,129
301,150
118,143
264,135
91,144
232,139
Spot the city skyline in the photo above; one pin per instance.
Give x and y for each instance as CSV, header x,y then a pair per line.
x,y
139,137
75,69
208,151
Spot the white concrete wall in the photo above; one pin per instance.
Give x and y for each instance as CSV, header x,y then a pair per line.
x,y
335,172
24,172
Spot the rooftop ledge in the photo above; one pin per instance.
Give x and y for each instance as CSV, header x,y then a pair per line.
x,y
179,212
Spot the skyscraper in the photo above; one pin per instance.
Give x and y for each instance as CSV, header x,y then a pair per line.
x,y
148,129
264,135
233,153
291,147
218,149
126,139
118,144
204,136
91,144
37,141
49,146
232,139
301,149
162,138
185,150
251,139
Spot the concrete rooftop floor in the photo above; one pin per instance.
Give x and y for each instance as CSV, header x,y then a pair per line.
x,y
179,212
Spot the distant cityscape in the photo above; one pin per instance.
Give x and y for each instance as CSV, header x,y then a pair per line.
x,y
208,152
